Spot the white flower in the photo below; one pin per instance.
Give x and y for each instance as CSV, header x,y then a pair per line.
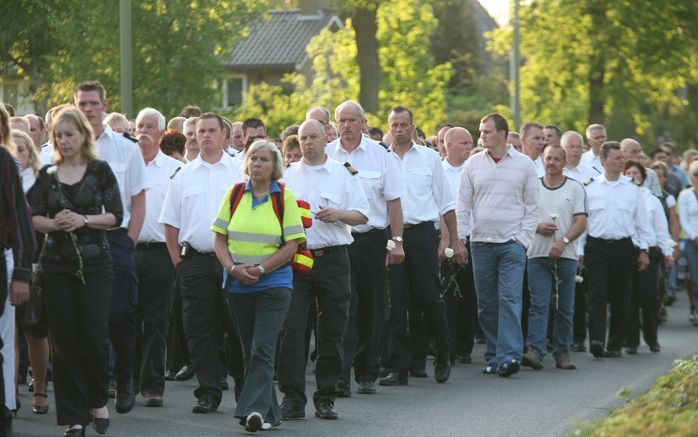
x,y
52,170
578,279
672,243
448,252
390,245
553,216
489,240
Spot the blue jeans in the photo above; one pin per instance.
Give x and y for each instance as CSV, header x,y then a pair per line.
x,y
691,252
499,271
541,283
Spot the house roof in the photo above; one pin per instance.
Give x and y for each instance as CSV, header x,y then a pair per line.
x,y
280,41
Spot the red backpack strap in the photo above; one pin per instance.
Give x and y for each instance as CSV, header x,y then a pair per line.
x,y
236,197
277,202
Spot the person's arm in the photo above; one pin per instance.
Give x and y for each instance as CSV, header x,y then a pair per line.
x,y
172,243
350,217
397,255
460,254
137,216
529,224
578,227
220,244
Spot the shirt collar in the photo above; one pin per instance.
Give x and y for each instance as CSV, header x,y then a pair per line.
x,y
621,180
225,160
304,166
273,188
511,152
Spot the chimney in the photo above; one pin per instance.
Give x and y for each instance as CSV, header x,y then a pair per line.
x,y
311,7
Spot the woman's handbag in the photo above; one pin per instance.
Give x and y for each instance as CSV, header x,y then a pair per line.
x,y
34,312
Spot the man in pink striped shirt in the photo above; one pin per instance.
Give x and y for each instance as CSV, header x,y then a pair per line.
x,y
498,198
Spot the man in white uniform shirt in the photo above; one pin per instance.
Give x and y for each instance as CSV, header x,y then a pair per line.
x,y
573,142
596,136
617,216
190,206
191,147
383,186
632,151
415,282
126,161
154,268
337,202
532,142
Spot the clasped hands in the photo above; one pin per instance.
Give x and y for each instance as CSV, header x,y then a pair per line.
x,y
247,274
68,221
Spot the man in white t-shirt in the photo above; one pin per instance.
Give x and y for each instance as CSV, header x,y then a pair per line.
x,y
552,261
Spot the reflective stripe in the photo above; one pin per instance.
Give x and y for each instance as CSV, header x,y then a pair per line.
x,y
251,237
293,230
220,224
248,259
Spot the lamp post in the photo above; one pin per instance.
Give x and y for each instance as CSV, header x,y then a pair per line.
x,y
126,46
514,67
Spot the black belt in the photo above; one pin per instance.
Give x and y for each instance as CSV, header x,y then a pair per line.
x,y
328,250
609,241
196,252
367,233
408,226
117,230
150,245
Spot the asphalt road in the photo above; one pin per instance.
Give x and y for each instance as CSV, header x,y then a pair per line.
x,y
544,402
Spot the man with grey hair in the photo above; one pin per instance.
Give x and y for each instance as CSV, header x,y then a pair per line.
x,y
596,136
176,123
154,269
632,151
191,146
573,142
383,185
321,114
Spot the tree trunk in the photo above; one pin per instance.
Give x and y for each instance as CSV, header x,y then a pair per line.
x,y
366,26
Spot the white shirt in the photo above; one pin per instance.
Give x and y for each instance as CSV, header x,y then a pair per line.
x,y
160,172
194,198
379,175
688,213
540,168
453,177
46,156
658,223
126,162
428,195
327,185
592,160
617,210
566,201
28,178
582,173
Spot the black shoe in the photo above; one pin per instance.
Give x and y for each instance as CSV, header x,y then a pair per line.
x,y
40,409
383,372
418,373
442,372
343,389
508,369
654,347
367,388
612,354
254,422
74,432
170,375
125,397
184,374
325,410
578,346
224,383
204,405
464,359
392,380
596,349
111,389
631,350
100,425
152,399
289,412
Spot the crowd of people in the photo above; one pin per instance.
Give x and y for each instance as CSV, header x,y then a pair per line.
x,y
204,248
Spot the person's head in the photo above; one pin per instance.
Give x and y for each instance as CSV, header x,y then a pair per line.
x,y
5,135
554,159
596,136
132,127
515,140
190,111
440,134
457,143
263,162
291,149
322,114
210,133
552,134
26,152
400,125
632,150
670,149
662,171
253,129
117,122
573,143
189,127
350,117
532,139
687,157
612,158
660,155
331,131
635,171
172,144
693,173
72,135
288,131
36,130
375,133
494,131
91,98
177,123
150,125
228,128
237,138
311,136
21,123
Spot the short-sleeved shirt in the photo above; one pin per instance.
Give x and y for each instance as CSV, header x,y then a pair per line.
x,y
160,172
254,234
566,201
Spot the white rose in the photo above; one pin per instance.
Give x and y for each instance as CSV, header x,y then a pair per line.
x,y
448,252
52,170
390,245
554,216
578,279
672,244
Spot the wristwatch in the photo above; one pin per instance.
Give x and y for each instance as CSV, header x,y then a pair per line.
x,y
87,222
397,239
565,240
261,269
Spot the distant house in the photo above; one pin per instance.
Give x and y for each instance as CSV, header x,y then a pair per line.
x,y
276,46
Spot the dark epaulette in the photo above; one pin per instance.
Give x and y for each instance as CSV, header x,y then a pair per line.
x,y
350,168
175,172
128,136
385,146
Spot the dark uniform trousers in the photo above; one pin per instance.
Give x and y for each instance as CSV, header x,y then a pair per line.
x,y
416,279
363,339
461,310
177,350
122,320
579,321
201,276
329,282
610,267
645,299
155,274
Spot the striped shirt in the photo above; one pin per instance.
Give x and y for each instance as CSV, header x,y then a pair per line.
x,y
501,198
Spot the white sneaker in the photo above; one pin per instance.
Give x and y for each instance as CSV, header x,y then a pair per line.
x,y
254,422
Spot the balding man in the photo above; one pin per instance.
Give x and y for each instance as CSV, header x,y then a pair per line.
x,y
177,123
632,151
596,136
336,196
321,114
36,130
573,142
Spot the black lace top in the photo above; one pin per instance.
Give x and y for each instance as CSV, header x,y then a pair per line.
x,y
96,193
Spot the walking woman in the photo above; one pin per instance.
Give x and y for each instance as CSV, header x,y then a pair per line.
x,y
255,244
688,216
74,201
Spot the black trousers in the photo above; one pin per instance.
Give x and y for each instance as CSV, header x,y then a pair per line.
x,y
461,311
200,278
610,268
416,279
78,317
579,321
122,316
330,284
363,339
155,274
177,349
645,298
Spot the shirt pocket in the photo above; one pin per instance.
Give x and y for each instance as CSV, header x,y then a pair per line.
x,y
419,181
119,171
190,198
332,200
371,181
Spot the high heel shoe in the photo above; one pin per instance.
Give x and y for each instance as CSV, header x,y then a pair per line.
x,y
40,409
74,432
100,425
